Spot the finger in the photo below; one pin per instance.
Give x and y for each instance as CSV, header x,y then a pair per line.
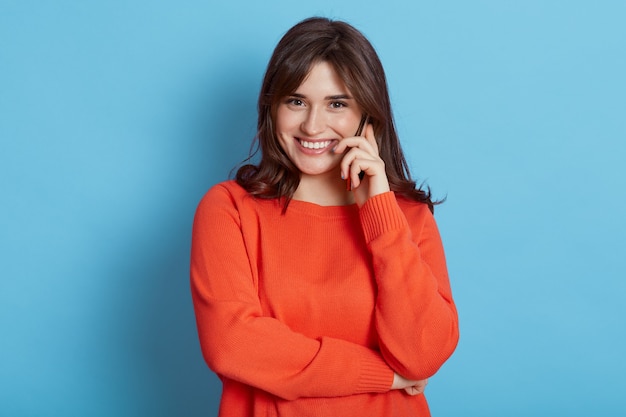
x,y
360,168
371,139
358,142
354,171
349,157
413,391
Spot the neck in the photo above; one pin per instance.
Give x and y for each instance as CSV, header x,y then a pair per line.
x,y
325,190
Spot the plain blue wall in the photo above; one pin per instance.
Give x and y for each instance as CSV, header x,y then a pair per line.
x,y
116,117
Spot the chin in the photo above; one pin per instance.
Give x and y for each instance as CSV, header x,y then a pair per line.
x,y
319,170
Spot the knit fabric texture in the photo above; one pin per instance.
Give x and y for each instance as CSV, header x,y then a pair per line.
x,y
310,312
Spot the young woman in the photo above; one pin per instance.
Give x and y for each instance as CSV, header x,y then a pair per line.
x,y
318,276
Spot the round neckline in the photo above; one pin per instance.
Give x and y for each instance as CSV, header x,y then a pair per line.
x,y
315,209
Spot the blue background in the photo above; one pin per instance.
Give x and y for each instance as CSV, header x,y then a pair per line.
x,y
116,116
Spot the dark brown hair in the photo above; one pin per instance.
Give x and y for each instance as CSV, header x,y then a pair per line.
x,y
309,42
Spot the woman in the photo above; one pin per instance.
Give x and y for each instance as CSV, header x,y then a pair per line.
x,y
318,277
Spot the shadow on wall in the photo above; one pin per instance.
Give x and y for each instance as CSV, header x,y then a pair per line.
x,y
152,324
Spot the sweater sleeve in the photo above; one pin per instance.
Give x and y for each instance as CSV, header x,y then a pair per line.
x,y
416,318
240,343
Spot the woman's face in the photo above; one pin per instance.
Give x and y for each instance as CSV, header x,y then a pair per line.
x,y
311,121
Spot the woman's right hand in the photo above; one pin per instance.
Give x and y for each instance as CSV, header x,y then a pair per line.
x,y
411,387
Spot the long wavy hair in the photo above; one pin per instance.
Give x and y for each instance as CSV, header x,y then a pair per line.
x,y
309,42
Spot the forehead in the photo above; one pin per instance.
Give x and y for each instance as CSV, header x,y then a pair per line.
x,y
321,80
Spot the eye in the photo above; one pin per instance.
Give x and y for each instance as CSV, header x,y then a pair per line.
x,y
295,101
337,104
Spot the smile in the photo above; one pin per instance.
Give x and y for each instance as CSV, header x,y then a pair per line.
x,y
315,145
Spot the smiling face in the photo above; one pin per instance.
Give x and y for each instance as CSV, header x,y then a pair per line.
x,y
312,120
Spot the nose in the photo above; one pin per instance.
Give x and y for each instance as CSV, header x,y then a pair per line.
x,y
314,123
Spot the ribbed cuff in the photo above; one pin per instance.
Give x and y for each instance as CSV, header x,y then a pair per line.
x,y
375,374
379,214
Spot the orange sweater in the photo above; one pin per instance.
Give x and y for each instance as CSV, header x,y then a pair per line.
x,y
309,313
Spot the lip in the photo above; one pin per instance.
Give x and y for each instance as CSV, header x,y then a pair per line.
x,y
311,148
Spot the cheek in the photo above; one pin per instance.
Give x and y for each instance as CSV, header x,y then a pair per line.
x,y
283,125
285,119
349,124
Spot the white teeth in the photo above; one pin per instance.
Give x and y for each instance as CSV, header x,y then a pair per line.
x,y
315,145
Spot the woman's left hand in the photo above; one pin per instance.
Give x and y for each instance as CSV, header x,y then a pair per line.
x,y
409,386
362,156
418,388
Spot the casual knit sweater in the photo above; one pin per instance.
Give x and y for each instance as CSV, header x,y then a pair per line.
x,y
310,312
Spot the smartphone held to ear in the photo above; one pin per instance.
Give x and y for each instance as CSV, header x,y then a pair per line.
x,y
359,132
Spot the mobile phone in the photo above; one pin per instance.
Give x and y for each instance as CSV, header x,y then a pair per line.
x,y
359,132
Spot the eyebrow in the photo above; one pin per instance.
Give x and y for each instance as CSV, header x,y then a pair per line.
x,y
335,97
